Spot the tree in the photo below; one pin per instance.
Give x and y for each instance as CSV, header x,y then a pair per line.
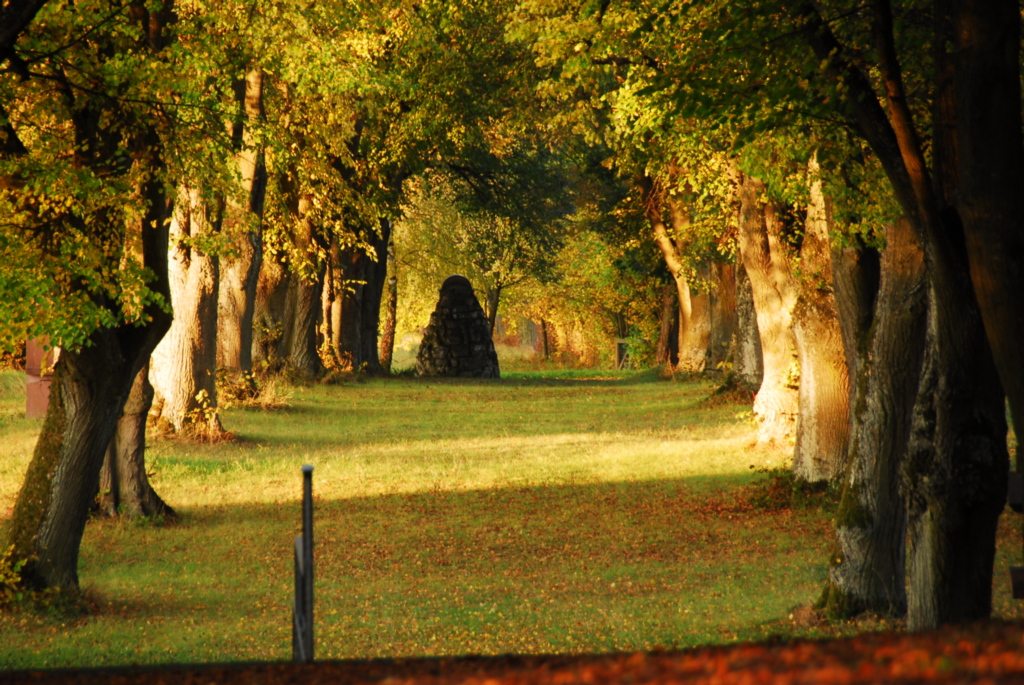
x,y
87,202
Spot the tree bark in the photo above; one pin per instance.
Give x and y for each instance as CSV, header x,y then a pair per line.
x,y
356,313
956,470
184,365
240,272
387,342
268,312
668,327
774,295
747,362
493,299
886,318
369,315
823,423
125,489
722,300
990,164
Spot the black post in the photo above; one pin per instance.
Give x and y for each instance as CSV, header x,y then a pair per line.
x,y
302,617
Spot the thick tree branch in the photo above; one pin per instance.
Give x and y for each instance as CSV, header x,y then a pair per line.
x,y
866,113
902,120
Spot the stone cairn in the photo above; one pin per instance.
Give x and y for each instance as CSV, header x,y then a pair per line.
x,y
457,342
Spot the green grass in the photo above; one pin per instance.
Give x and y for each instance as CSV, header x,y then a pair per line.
x,y
556,513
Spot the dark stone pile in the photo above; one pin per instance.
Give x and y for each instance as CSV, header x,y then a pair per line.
x,y
457,342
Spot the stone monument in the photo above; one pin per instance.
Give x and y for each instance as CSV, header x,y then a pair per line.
x,y
457,342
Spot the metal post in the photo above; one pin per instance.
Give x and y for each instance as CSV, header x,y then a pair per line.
x,y
302,617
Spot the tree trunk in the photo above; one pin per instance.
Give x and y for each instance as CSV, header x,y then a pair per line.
x,y
88,390
722,298
299,339
184,365
856,272
269,311
125,489
774,296
990,163
694,327
669,312
387,342
823,423
747,362
369,313
240,272
493,299
957,465
867,573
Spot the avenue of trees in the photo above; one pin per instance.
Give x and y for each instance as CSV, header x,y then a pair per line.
x,y
819,199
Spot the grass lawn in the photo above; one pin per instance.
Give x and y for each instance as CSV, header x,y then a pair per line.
x,y
556,513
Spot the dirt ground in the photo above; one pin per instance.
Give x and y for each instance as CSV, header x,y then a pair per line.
x,y
990,652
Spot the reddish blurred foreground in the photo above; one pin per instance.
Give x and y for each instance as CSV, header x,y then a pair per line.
x,y
990,652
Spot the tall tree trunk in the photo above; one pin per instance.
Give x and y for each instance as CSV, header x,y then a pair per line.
x,y
774,295
269,310
990,169
722,297
240,272
124,485
333,298
957,465
358,322
302,303
184,365
669,312
823,423
747,361
886,320
387,342
369,315
694,327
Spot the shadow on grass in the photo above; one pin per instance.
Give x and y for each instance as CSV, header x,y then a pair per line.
x,y
585,567
549,569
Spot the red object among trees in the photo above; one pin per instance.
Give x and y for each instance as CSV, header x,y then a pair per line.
x,y
39,363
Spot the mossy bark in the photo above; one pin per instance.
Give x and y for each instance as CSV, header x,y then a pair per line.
x,y
867,571
88,391
956,471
